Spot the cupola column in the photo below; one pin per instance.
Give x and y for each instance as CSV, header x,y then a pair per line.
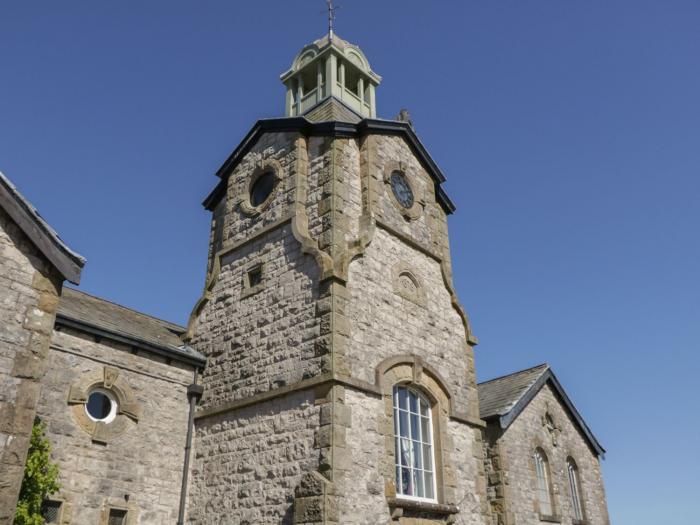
x,y
300,93
331,75
289,101
341,80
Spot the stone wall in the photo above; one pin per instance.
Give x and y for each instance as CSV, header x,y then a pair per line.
x,y
137,462
517,446
248,461
349,282
29,291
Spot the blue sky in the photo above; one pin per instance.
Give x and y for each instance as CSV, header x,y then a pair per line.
x,y
569,133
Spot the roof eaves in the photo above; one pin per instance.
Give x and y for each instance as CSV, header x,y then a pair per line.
x,y
44,237
506,419
183,354
336,129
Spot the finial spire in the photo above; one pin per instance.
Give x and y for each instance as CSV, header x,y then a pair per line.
x,y
331,16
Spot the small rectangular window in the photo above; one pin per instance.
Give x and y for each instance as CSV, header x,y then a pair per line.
x,y
51,511
254,276
117,517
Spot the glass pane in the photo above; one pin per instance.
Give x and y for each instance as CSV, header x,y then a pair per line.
x,y
417,463
117,517
403,424
403,398
425,429
397,451
424,408
418,483
98,405
262,188
415,426
427,457
406,485
413,402
404,452
428,484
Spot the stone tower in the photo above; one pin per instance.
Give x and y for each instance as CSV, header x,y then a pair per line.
x,y
340,383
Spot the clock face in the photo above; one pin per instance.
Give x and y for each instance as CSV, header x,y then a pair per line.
x,y
402,190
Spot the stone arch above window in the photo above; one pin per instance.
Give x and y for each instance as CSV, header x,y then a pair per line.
x,y
543,480
407,284
575,490
268,175
118,418
412,373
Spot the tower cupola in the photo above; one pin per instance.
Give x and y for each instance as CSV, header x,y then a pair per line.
x,y
330,67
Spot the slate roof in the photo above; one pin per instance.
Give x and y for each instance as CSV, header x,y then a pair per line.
x,y
86,312
332,109
43,236
504,398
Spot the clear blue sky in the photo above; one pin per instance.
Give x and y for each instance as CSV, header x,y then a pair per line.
x,y
569,133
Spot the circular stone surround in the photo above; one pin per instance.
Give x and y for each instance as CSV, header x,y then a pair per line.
x,y
401,191
252,206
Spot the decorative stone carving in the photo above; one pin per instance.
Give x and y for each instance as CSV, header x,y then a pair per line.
x,y
264,166
407,285
128,408
549,424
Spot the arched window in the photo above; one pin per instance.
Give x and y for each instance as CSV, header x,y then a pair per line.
x,y
413,437
544,490
575,486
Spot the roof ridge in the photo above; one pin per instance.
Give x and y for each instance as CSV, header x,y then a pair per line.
x,y
127,308
545,364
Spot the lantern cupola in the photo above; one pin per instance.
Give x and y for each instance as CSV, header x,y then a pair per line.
x,y
330,68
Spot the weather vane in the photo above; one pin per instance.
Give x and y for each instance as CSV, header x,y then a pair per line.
x,y
331,16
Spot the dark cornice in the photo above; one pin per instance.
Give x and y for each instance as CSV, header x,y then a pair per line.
x,y
331,129
68,263
505,420
170,352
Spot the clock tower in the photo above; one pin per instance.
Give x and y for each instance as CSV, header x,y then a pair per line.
x,y
340,384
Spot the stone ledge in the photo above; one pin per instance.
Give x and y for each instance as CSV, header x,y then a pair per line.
x,y
423,506
550,519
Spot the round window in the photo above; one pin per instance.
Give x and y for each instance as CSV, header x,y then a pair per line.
x,y
401,189
101,406
261,188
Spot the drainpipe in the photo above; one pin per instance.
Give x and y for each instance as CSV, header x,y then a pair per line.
x,y
194,394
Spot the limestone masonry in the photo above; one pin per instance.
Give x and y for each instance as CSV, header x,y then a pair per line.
x,y
326,374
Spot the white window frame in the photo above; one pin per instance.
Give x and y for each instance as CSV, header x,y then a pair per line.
x,y
575,488
543,478
112,409
397,437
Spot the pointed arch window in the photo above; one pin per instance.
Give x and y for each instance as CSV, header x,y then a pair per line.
x,y
575,486
414,451
544,487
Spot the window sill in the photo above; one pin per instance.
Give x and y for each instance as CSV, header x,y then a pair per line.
x,y
247,292
579,522
422,506
550,519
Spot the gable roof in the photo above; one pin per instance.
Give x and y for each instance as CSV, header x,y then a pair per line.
x,y
44,237
331,129
85,312
504,398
